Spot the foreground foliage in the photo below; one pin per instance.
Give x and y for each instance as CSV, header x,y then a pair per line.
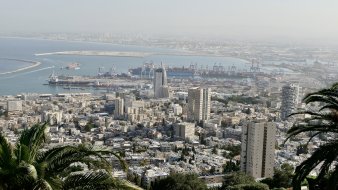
x,y
180,182
322,121
241,181
27,166
282,177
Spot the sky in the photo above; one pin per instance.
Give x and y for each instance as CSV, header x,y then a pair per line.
x,y
244,19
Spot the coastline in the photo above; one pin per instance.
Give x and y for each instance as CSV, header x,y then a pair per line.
x,y
131,54
34,64
99,53
179,52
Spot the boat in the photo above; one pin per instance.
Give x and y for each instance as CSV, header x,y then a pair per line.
x,y
73,66
67,81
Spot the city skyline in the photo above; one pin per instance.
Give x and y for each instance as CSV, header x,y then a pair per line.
x,y
167,95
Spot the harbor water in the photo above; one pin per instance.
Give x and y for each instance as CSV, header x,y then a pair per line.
x,y
32,80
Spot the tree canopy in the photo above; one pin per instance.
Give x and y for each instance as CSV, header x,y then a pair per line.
x,y
241,181
282,177
180,182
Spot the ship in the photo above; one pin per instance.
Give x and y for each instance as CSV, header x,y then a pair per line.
x,y
67,80
73,66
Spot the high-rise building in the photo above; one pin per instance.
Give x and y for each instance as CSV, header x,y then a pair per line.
x,y
258,149
290,99
128,99
119,108
185,130
14,105
199,104
52,117
161,89
177,109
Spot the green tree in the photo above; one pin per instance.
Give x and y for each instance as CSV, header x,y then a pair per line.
x,y
202,138
250,186
231,166
180,182
185,151
212,170
143,162
214,150
27,166
138,180
322,121
241,181
302,149
236,178
90,125
234,151
282,177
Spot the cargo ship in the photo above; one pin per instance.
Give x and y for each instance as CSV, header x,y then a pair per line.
x,y
68,80
94,82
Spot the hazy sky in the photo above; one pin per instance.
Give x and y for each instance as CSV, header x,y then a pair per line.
x,y
293,19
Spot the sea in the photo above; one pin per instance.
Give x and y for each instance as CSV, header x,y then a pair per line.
x,y
33,80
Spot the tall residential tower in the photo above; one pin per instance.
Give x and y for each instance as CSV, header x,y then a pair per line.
x,y
119,108
290,99
199,104
258,149
161,89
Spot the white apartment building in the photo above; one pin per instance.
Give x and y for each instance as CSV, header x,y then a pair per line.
x,y
14,105
185,130
119,108
161,89
199,104
258,149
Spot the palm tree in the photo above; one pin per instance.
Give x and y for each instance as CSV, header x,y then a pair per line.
x,y
26,166
323,120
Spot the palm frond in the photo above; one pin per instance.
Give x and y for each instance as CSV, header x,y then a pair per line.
x,y
93,180
52,153
54,182
326,153
302,128
33,138
60,162
22,153
42,184
60,158
6,152
321,98
333,179
306,112
334,86
41,168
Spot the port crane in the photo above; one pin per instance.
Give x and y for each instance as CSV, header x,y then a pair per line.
x,y
148,68
193,66
255,66
218,68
